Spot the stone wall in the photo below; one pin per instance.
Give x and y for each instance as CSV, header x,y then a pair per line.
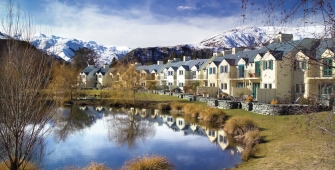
x,y
260,108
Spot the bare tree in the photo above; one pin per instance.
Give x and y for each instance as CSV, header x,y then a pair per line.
x,y
127,128
25,104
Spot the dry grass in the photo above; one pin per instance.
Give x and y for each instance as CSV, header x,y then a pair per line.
x,y
212,115
153,162
192,110
239,125
91,166
177,106
289,143
164,106
29,166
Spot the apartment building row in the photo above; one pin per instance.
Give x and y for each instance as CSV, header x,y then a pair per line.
x,y
284,70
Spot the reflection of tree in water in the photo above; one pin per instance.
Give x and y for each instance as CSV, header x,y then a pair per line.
x,y
126,129
70,121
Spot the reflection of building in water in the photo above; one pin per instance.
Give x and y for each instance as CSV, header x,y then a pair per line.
x,y
99,108
146,112
212,134
218,137
182,125
222,139
237,149
82,107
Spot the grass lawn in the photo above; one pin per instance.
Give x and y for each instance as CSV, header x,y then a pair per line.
x,y
290,143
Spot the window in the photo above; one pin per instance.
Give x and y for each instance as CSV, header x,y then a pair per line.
x,y
327,67
181,84
214,70
211,84
300,65
170,73
194,74
226,69
258,68
180,122
239,85
221,86
210,71
297,88
181,72
170,84
221,69
225,86
99,76
241,71
270,86
268,65
326,88
265,86
304,65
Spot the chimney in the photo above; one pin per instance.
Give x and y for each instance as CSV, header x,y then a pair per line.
x,y
106,66
226,52
186,58
237,49
282,38
160,62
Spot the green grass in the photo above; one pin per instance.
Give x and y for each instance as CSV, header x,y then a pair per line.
x,y
290,143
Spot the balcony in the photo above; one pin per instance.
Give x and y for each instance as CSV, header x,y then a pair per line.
x,y
247,74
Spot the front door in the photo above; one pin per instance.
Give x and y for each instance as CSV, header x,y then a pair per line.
x,y
254,89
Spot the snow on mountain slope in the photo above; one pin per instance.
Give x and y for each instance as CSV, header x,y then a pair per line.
x,y
256,36
65,48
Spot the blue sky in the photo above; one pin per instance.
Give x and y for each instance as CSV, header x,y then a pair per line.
x,y
135,23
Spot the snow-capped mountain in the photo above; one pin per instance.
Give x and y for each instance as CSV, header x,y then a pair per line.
x,y
256,36
65,48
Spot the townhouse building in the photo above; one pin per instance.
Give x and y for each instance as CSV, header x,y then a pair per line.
x,y
284,70
92,77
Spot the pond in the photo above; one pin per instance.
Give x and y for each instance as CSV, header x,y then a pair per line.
x,y
114,135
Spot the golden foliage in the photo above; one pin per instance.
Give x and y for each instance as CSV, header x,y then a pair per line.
x,y
29,166
249,99
273,101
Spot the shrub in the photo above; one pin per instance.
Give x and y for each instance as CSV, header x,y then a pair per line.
x,y
247,153
239,125
153,162
273,101
192,110
91,166
212,115
252,137
164,106
249,99
177,106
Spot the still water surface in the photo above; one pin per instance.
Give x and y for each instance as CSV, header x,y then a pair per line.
x,y
113,136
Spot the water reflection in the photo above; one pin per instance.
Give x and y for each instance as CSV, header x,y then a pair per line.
x,y
120,134
126,128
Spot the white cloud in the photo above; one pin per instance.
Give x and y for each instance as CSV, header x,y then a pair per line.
x,y
132,28
182,8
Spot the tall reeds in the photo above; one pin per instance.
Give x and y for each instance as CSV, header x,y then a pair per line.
x,y
246,132
153,162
